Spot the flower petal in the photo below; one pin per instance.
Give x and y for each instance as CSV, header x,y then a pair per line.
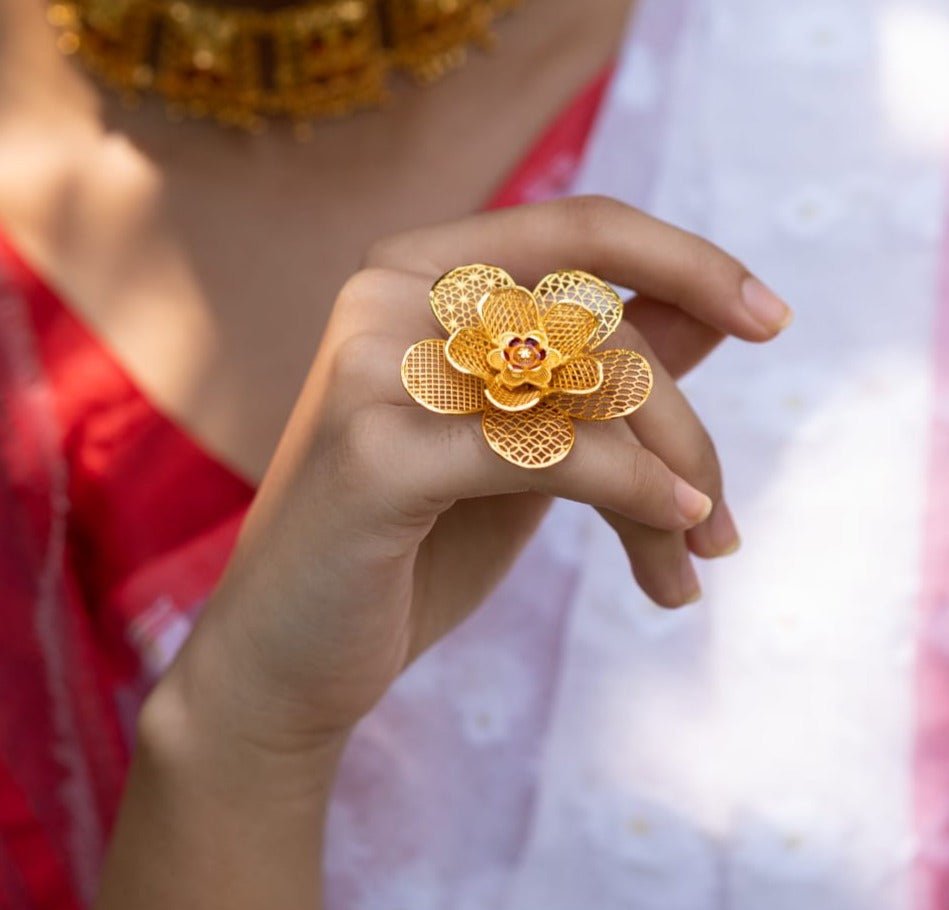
x,y
509,311
578,376
540,375
467,351
569,327
511,399
454,297
435,384
496,359
512,379
588,291
627,382
536,438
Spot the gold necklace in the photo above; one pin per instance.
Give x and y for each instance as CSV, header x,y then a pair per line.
x,y
241,66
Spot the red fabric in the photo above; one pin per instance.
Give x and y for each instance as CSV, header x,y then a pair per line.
x,y
115,527
548,168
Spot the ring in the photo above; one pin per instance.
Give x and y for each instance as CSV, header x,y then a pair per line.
x,y
528,361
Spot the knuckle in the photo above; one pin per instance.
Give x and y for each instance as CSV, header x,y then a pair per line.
x,y
376,463
363,289
359,358
707,260
355,353
705,471
459,434
385,252
591,213
361,449
642,473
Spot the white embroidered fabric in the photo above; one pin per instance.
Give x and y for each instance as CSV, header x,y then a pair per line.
x,y
591,750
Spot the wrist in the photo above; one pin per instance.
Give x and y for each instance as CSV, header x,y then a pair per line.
x,y
199,725
211,818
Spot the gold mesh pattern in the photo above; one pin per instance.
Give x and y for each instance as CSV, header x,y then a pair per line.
x,y
526,360
467,350
536,438
579,376
569,327
627,382
435,384
455,296
587,290
509,311
506,399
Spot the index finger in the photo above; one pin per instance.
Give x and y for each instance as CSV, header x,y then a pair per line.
x,y
614,241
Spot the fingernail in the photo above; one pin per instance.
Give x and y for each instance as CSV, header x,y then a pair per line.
x,y
693,505
765,306
722,530
691,589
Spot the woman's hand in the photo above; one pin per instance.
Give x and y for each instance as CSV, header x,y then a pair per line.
x,y
379,525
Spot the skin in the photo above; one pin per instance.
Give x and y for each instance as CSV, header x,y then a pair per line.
x,y
345,569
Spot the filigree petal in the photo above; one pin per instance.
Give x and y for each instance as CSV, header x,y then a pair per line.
x,y
435,384
536,438
578,376
454,297
569,327
513,379
627,382
496,360
511,399
509,311
467,351
540,375
588,291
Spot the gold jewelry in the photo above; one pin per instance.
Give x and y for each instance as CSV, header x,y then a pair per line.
x,y
528,361
302,61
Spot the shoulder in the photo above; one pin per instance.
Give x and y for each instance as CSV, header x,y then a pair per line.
x,y
41,117
67,192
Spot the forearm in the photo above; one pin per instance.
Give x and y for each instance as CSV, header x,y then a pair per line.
x,y
209,820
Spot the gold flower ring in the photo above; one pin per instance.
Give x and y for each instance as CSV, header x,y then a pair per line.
x,y
527,361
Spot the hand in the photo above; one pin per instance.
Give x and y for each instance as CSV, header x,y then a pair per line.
x,y
379,525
